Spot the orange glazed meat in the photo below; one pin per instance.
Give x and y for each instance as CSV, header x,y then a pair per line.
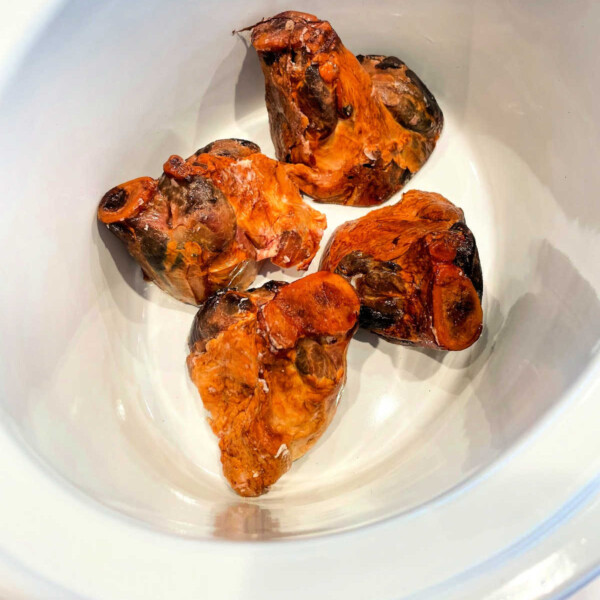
x,y
416,269
270,364
356,128
210,220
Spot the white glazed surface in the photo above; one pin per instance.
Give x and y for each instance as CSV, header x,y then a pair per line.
x,y
92,377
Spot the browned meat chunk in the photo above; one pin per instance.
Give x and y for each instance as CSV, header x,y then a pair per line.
x,y
356,128
416,269
270,364
210,220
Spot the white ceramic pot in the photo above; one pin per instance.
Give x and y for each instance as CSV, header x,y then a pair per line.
x,y
468,475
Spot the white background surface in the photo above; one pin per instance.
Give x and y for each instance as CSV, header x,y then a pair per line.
x,y
590,592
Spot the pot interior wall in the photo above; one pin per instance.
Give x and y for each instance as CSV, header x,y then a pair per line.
x,y
93,372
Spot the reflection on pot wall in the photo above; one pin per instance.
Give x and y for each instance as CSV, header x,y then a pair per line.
x,y
245,521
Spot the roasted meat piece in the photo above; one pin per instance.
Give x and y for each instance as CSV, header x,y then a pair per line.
x,y
210,220
270,364
357,128
416,269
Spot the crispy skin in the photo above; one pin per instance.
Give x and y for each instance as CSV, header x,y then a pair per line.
x,y
416,269
356,128
270,364
210,220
